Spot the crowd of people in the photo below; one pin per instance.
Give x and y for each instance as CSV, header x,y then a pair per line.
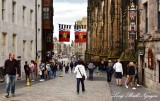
x,y
47,70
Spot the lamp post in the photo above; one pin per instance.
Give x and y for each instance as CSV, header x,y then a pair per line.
x,y
36,26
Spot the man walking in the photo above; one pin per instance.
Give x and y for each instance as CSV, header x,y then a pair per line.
x,y
118,72
91,70
12,71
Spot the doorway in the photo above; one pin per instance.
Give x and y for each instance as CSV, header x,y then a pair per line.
x,y
159,70
142,65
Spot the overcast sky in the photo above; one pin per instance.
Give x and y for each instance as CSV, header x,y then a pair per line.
x,y
67,12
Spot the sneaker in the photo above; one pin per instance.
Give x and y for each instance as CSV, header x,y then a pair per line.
x,y
13,95
138,85
7,96
133,88
126,86
43,80
40,80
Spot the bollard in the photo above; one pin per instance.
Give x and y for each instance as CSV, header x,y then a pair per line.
x,y
28,82
61,75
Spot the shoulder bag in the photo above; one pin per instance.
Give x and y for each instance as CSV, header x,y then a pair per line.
x,y
83,77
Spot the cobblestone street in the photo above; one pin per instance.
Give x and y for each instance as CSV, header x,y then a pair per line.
x,y
63,89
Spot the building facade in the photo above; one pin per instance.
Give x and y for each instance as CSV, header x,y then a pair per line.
x,y
149,50
129,30
18,31
80,48
103,30
47,27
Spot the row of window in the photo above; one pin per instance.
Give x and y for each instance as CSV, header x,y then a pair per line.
x,y
145,5
14,45
15,10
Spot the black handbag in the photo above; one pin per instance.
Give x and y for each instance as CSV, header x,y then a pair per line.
x,y
83,77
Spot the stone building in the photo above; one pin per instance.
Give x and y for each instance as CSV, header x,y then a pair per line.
x,y
47,27
112,30
104,29
80,48
148,47
17,30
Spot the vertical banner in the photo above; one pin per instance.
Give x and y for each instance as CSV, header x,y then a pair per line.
x,y
132,19
64,33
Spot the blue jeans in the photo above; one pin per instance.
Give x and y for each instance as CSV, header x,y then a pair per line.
x,y
10,83
78,84
91,74
54,73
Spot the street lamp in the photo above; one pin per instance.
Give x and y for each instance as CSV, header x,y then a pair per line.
x,y
36,27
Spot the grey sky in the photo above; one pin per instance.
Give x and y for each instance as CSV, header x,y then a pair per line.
x,y
68,12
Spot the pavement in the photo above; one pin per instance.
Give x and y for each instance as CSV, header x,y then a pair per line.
x,y
121,93
63,89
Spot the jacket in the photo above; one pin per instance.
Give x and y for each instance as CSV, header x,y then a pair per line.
x,y
82,70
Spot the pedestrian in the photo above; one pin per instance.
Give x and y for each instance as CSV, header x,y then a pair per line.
x,y
48,68
91,70
60,67
27,70
80,70
118,72
71,66
12,70
32,70
131,73
55,69
127,78
42,69
110,71
136,75
67,68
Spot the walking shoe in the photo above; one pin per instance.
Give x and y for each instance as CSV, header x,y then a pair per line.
x,y
138,85
126,86
40,80
7,96
13,95
77,92
133,88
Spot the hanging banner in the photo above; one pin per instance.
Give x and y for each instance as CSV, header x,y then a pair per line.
x,y
80,33
64,33
132,19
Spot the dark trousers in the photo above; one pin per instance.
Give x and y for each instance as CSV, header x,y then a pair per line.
x,y
42,76
27,76
137,78
109,76
78,84
91,74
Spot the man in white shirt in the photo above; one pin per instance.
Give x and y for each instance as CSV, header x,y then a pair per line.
x,y
80,70
118,72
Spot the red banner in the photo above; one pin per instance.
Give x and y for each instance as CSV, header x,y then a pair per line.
x,y
80,37
64,36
